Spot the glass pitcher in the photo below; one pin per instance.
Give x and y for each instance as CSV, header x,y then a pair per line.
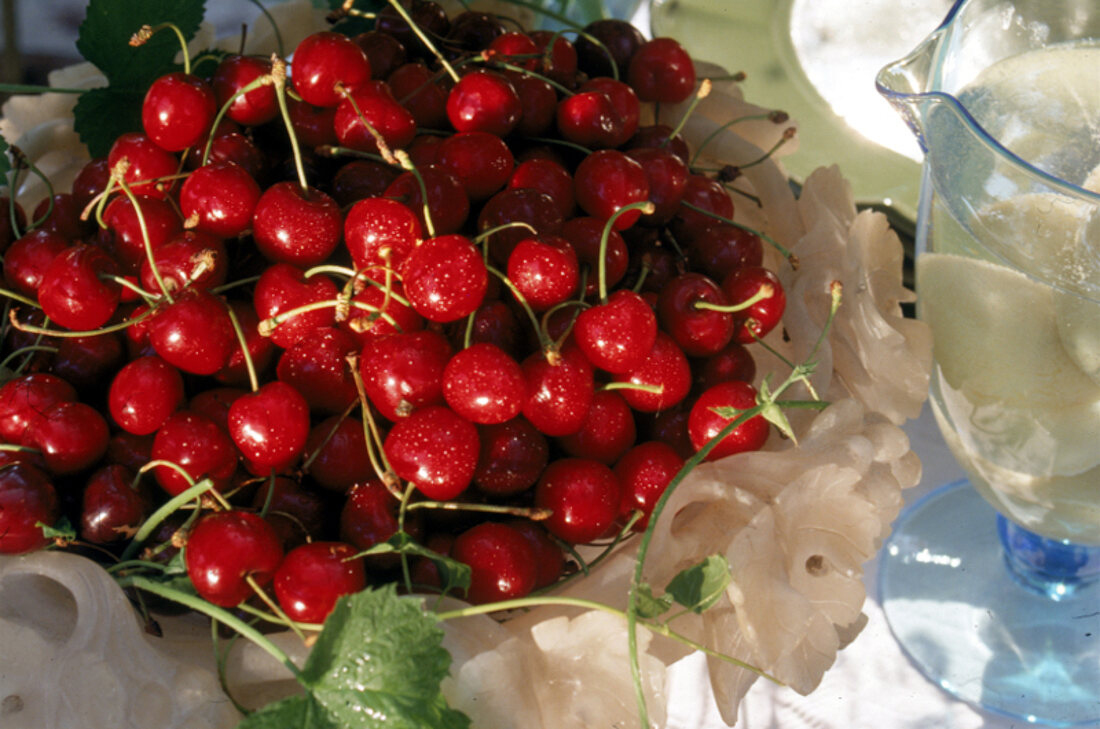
x,y
1004,98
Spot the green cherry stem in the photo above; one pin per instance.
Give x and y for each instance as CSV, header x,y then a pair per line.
x,y
253,380
118,174
372,436
776,117
792,259
148,31
647,208
67,334
425,39
766,290
169,507
701,93
278,76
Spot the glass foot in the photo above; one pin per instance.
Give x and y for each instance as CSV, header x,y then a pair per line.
x,y
977,630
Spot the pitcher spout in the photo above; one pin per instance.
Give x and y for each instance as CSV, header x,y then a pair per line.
x,y
908,83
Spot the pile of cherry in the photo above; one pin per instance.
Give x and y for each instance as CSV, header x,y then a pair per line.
x,y
542,308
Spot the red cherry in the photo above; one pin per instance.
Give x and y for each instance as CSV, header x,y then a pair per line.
x,y
27,259
538,103
513,455
27,498
384,52
127,244
178,111
706,194
270,426
623,101
147,164
219,198
584,496
369,517
616,336
607,432
517,205
317,367
86,362
381,232
283,288
665,368
402,372
704,423
699,332
558,394
194,333
745,283
435,449
74,291
615,42
644,472
484,101
560,63
661,71
484,384
326,65
360,179
549,559
445,278
297,513
296,227
666,175
448,206
143,394
25,398
312,577
606,181
189,259
414,86
501,560
720,248
199,446
254,107
375,103
313,125
71,436
734,362
225,548
481,161
544,270
337,453
589,118
549,177
388,313
260,348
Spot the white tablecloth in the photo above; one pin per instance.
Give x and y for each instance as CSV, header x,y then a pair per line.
x,y
873,685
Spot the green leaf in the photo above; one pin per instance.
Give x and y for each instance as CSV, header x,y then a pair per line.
x,y
300,712
63,529
108,25
102,114
379,662
700,586
649,605
454,575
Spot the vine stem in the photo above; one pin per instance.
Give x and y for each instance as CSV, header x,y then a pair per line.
x,y
215,613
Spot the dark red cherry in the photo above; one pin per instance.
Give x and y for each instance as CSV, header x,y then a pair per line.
x,y
538,104
149,167
549,177
27,498
448,206
426,15
369,517
317,367
661,71
60,214
734,362
623,101
226,548
584,496
698,331
416,88
360,179
517,205
71,437
720,248
708,195
501,560
618,40
313,125
219,198
608,180
313,576
375,103
481,161
25,398
143,394
666,175
189,259
112,507
127,244
27,259
607,432
435,449
194,333
86,362
260,348
705,424
751,282
384,52
549,558
296,512
336,450
326,65
512,457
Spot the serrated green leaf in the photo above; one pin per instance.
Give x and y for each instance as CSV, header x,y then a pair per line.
x,y
108,25
101,115
379,662
701,586
649,605
300,712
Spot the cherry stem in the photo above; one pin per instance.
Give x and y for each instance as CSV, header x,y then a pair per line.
x,y
274,607
269,325
265,80
792,259
544,340
12,219
25,350
407,164
215,613
647,208
65,333
278,76
533,514
35,89
561,143
788,134
379,140
15,448
764,291
148,31
425,39
574,26
20,298
118,174
484,236
249,366
311,457
771,115
193,493
280,48
488,58
701,93
644,387
372,437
